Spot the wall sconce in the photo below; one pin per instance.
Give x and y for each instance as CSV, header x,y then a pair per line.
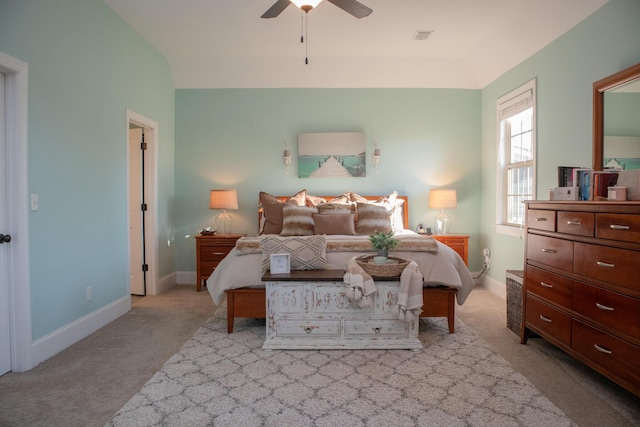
x,y
442,199
376,158
287,159
223,199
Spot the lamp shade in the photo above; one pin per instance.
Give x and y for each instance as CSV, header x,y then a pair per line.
x,y
443,198
223,199
300,3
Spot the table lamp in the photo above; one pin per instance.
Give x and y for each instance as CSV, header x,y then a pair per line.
x,y
441,199
223,199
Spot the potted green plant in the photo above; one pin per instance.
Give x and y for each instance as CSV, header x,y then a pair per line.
x,y
383,242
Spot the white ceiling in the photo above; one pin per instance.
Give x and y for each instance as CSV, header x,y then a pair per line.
x,y
225,43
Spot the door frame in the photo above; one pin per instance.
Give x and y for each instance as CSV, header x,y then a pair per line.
x,y
16,82
151,194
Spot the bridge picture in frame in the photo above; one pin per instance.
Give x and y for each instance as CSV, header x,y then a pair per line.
x,y
331,154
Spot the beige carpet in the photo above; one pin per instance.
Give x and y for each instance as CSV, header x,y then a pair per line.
x,y
228,380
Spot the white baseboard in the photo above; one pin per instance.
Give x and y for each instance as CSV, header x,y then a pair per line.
x,y
167,282
492,285
186,278
53,343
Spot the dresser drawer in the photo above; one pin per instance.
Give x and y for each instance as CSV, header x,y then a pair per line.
x,y
307,328
613,265
578,223
616,356
550,286
609,308
549,320
547,250
625,227
214,252
541,219
375,328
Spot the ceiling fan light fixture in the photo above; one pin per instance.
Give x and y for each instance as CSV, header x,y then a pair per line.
x,y
306,5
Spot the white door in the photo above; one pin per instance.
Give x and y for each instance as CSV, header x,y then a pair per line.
x,y
136,235
5,337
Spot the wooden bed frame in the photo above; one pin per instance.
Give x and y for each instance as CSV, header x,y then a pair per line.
x,y
439,301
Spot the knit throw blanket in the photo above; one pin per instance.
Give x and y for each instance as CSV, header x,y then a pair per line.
x,y
251,245
361,286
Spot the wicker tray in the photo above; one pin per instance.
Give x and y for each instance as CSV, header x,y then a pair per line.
x,y
392,268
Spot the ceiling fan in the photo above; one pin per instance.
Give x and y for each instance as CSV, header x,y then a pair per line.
x,y
353,7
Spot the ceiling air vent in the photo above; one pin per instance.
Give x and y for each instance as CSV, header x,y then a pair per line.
x,y
422,34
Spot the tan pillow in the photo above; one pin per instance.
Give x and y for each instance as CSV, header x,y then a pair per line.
x,y
297,220
356,198
272,210
315,200
345,198
306,252
374,217
336,208
397,220
334,224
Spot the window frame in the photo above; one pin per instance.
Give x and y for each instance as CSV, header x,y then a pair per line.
x,y
508,105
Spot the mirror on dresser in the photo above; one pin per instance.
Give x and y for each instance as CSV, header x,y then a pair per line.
x,y
616,123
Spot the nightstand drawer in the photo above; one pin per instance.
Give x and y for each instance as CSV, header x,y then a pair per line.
x,y
214,253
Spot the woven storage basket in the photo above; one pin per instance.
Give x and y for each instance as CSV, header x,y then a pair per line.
x,y
514,300
393,267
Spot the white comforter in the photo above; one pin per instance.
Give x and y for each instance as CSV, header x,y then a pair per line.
x,y
442,268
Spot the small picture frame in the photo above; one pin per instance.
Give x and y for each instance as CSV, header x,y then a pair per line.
x,y
280,263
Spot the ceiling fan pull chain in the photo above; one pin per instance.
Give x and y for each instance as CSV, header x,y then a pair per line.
x,y
306,36
301,27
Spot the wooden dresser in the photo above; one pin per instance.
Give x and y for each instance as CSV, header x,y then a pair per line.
x,y
210,250
582,283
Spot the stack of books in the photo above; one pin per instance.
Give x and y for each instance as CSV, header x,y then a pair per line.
x,y
576,183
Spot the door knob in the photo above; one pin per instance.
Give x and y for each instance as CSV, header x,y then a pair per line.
x,y
5,238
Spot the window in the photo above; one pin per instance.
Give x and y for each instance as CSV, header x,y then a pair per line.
x,y
516,155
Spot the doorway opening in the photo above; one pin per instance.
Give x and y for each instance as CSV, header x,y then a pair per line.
x,y
142,207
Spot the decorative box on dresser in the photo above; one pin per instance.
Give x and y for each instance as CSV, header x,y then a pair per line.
x,y
210,250
582,283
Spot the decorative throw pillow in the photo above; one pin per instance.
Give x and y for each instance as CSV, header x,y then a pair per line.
x,y
272,210
315,200
397,218
345,198
297,220
306,252
374,217
356,198
334,224
336,208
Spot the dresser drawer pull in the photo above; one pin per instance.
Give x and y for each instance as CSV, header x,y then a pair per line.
x,y
602,349
308,329
548,251
377,330
541,219
603,307
218,253
619,227
605,264
545,285
546,319
572,222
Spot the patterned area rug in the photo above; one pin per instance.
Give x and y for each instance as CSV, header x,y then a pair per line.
x,y
225,379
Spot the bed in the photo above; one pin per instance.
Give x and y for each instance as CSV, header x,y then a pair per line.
x,y
238,276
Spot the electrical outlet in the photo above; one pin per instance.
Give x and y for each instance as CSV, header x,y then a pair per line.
x,y
89,293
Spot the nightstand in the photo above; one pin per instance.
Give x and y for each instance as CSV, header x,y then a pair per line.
x,y
210,250
457,242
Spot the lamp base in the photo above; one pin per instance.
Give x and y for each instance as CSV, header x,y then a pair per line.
x,y
442,223
223,223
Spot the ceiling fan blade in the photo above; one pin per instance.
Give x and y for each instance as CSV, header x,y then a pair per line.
x,y
353,7
276,9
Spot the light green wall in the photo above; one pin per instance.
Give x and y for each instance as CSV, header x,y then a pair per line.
x,y
565,70
235,138
86,67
